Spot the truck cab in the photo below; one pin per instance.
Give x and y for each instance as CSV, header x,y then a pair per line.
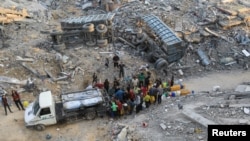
x,y
41,112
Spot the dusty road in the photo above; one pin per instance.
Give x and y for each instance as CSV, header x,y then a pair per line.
x,y
13,129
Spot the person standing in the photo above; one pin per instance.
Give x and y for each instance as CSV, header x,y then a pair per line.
x,y
5,104
141,78
135,81
159,94
121,72
16,99
106,85
94,79
116,59
107,62
114,108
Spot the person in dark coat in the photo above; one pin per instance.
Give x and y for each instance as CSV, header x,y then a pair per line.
x,y
94,79
121,72
6,104
106,85
107,62
116,59
16,98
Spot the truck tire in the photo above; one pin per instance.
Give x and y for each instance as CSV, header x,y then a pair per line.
x,y
157,61
40,127
91,43
101,28
90,114
161,64
88,27
102,43
142,38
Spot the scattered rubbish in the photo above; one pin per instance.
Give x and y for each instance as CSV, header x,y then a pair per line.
x,y
144,124
48,136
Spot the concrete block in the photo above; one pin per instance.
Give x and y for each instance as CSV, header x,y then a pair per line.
x,y
175,139
197,118
163,126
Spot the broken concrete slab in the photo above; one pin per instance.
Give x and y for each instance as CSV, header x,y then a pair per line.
x,y
163,126
175,139
12,80
242,88
238,105
244,2
122,135
31,70
19,58
198,118
227,1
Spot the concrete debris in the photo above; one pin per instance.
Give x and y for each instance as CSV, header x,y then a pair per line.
x,y
122,135
10,80
246,110
163,126
19,58
198,118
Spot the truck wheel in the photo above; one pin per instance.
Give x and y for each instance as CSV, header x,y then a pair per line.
x,y
102,43
91,114
39,127
157,61
161,64
101,28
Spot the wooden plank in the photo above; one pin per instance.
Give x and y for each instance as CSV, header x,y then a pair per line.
x,y
227,10
230,23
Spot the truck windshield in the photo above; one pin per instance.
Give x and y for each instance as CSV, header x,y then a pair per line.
x,y
36,107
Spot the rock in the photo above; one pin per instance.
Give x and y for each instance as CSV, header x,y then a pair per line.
x,y
200,137
65,59
190,131
246,110
233,112
243,121
163,126
232,97
122,135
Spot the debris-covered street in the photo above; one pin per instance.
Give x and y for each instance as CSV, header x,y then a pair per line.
x,y
195,53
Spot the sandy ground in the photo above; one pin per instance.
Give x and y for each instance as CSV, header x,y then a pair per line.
x,y
13,129
226,80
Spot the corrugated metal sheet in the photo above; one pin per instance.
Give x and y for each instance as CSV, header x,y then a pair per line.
x,y
89,18
161,30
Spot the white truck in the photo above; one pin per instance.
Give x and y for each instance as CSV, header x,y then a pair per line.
x,y
72,106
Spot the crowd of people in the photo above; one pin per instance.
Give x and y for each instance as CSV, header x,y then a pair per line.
x,y
136,94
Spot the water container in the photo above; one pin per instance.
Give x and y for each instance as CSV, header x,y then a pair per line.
x,y
25,104
172,94
175,88
184,92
